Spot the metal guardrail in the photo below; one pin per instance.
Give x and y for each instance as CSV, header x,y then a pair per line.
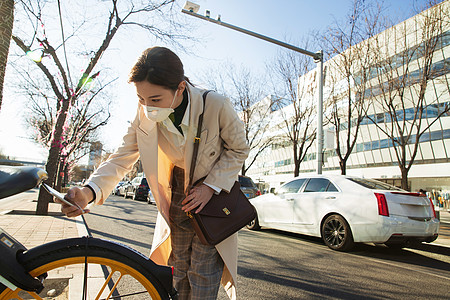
x,y
22,162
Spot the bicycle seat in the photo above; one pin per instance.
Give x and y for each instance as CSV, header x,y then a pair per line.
x,y
14,180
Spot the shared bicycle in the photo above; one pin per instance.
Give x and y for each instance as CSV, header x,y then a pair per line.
x,y
23,271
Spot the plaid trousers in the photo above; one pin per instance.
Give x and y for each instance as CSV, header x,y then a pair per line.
x,y
197,268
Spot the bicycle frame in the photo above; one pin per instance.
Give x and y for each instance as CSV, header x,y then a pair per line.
x,y
12,273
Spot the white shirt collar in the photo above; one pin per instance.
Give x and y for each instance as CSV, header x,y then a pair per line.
x,y
184,122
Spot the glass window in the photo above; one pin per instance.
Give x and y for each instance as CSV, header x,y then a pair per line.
x,y
414,77
380,118
332,188
445,38
432,111
246,182
425,137
317,185
446,134
436,135
444,107
292,187
365,121
438,69
375,145
409,114
384,144
412,139
390,143
388,118
374,184
400,114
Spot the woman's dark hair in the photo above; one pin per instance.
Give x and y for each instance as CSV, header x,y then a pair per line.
x,y
160,66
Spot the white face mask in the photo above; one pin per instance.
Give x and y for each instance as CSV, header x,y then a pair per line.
x,y
159,114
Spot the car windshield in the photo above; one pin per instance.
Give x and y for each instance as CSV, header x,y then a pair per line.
x,y
246,182
374,184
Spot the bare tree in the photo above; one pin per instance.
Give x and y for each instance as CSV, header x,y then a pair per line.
x,y
409,84
83,121
296,104
6,26
59,53
347,74
246,91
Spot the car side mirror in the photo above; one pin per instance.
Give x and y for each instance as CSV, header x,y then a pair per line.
x,y
273,191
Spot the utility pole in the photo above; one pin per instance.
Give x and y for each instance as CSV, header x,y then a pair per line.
x,y
192,8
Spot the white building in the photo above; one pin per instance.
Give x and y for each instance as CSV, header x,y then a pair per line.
x,y
373,155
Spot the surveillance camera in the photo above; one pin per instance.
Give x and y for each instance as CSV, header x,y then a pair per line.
x,y
192,7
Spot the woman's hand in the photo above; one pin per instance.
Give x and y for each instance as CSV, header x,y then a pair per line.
x,y
198,197
80,198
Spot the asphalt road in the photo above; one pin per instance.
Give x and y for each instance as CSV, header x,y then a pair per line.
x,y
278,265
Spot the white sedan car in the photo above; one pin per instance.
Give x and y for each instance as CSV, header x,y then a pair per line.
x,y
344,210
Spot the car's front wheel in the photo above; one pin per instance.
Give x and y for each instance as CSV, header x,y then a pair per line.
x,y
254,225
336,233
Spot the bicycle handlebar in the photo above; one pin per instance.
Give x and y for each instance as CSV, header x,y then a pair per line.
x,y
14,180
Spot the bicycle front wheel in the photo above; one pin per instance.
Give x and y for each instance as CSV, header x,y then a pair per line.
x,y
125,273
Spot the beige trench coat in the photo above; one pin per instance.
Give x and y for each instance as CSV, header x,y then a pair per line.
x,y
222,151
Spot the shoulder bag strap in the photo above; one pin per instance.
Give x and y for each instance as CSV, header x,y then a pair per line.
x,y
197,141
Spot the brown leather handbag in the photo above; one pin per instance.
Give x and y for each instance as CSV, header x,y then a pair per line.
x,y
225,213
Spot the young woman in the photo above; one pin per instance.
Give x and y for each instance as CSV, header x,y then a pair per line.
x,y
162,136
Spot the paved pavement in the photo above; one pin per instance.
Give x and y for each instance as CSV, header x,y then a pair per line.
x,y
18,219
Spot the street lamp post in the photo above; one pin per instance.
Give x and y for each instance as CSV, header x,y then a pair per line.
x,y
317,56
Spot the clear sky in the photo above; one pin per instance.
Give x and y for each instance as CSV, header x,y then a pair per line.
x,y
286,20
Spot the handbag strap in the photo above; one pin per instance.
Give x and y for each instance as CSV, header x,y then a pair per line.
x,y
197,141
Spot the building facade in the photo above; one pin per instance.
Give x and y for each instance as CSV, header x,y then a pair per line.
x,y
391,86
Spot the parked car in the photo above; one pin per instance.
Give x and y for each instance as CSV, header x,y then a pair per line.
x,y
248,187
137,189
343,210
116,189
150,198
122,188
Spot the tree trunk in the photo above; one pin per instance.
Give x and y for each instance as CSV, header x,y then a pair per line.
x,y
59,178
6,26
66,175
343,166
296,169
404,178
53,158
52,164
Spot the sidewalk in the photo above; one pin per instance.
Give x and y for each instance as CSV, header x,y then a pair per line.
x,y
19,220
444,229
